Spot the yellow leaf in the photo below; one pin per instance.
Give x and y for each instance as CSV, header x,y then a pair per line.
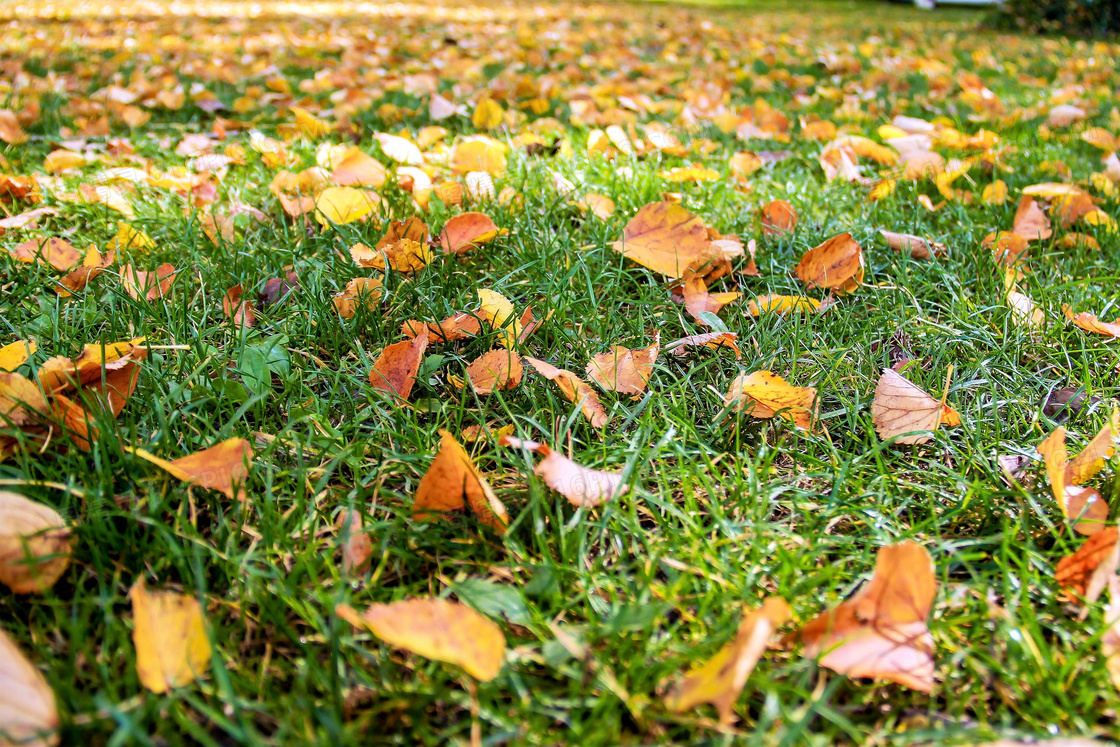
x,y
15,354
666,238
995,193
487,114
436,629
498,311
341,205
763,394
172,649
782,305
310,127
218,468
479,153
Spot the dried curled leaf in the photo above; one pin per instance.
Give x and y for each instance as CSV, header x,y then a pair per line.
x,y
53,251
358,293
881,632
575,389
241,311
436,629
395,369
150,286
1090,323
666,238
172,649
28,713
457,327
1077,503
93,265
580,485
623,370
1085,573
836,264
915,246
720,679
403,248
699,301
763,394
903,412
221,467
453,483
34,544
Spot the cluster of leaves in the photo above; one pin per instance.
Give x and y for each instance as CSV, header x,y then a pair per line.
x,y
333,259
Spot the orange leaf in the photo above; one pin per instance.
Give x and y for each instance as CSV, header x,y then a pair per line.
x,y
35,547
763,395
575,389
359,169
698,300
453,483
436,629
1081,504
715,340
498,369
456,327
479,153
1091,460
356,545
238,310
148,285
467,231
777,217
623,370
836,264
881,632
1085,573
666,238
1090,323
218,468
76,280
53,251
358,292
580,485
395,369
915,246
1030,222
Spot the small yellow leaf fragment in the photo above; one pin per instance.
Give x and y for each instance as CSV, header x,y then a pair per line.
x,y
172,649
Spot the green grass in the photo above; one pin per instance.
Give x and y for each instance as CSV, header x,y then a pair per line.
x,y
719,515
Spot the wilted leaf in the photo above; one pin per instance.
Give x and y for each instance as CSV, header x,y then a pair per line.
x,y
149,286
720,679
457,327
903,412
453,483
358,292
1085,573
881,632
221,467
467,231
28,714
93,265
623,370
15,354
21,401
172,649
34,545
436,629
498,369
238,310
915,246
763,394
836,264
782,305
666,238
1077,503
1090,323
699,301
714,340
575,389
53,251
580,485
395,369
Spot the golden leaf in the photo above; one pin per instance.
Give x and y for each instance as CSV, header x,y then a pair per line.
x,y
220,467
358,292
341,205
487,114
782,305
763,394
666,238
497,369
14,355
835,264
453,483
172,649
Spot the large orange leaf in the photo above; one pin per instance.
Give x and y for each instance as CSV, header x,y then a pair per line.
x,y
172,649
467,231
453,483
623,370
666,238
395,369
836,264
221,467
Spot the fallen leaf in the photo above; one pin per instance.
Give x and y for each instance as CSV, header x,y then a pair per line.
x,y
1110,638
21,401
1030,222
403,248
456,327
763,395
623,370
597,204
1077,503
777,217
277,288
1064,115
714,340
881,632
498,369
903,412
580,485
835,264
487,114
479,153
172,649
28,713
238,310
453,483
34,545
666,238
93,265
782,305
1085,573
498,311
358,293
15,354
720,679
575,389
436,629
467,231
150,286
341,205
915,246
220,467
1091,459
395,369
995,193
474,433
698,300
358,169
356,545
1090,323
1067,401
53,251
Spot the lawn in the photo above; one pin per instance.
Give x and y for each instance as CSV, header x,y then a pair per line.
x,y
603,608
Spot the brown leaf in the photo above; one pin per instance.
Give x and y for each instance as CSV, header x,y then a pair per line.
x,y
1090,323
34,545
1030,222
238,310
575,389
715,340
93,265
497,369
28,713
456,327
763,395
453,483
358,292
720,679
1067,401
53,251
219,468
436,629
901,407
356,545
467,231
396,367
623,370
835,264
1085,573
915,246
148,285
881,632
276,288
580,485
778,217
404,248
666,238
698,300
